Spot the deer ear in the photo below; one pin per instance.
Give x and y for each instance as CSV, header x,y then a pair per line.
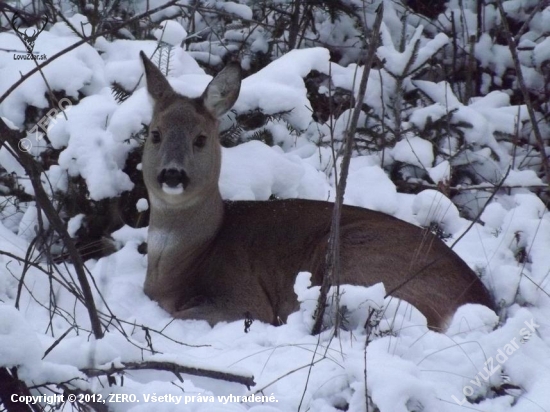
x,y
157,85
222,92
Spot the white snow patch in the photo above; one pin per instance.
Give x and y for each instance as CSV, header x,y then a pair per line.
x,y
142,205
431,206
74,224
414,150
170,32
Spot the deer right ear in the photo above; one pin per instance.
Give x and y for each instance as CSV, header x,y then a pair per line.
x,y
157,85
222,92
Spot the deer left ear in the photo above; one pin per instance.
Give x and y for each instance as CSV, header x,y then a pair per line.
x,y
157,85
223,91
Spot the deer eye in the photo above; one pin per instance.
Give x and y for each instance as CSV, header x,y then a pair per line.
x,y
200,141
155,136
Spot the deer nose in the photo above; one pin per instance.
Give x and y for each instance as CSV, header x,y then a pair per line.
x,y
173,177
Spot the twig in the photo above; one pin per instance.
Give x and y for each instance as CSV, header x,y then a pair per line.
x,y
26,265
542,4
23,260
299,368
10,385
57,342
176,369
403,185
521,82
333,249
475,220
369,329
64,19
294,24
33,170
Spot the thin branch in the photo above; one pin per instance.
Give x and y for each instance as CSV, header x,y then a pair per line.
x,y
475,220
403,185
11,385
523,87
294,24
57,342
26,265
333,249
174,368
541,5
299,368
34,171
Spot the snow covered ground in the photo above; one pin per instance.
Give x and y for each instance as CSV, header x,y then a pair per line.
x,y
406,366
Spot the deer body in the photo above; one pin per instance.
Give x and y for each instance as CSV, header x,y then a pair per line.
x,y
222,261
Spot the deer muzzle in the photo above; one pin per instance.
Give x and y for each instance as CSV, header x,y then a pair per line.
x,y
173,181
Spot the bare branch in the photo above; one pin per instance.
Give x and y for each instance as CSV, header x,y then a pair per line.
x,y
176,369
10,385
475,220
333,250
34,170
521,82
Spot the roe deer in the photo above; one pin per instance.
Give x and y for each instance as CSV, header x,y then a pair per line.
x,y
217,261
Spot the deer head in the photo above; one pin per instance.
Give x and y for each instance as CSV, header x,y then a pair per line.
x,y
182,154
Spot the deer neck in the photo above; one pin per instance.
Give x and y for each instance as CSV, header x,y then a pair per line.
x,y
177,239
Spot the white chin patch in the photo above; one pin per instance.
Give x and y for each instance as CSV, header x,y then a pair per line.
x,y
178,190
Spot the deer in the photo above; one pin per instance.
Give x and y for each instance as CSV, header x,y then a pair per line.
x,y
216,260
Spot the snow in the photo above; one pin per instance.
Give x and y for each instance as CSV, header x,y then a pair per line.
x,y
414,150
254,171
462,18
79,71
91,151
401,371
123,64
170,32
279,87
9,162
479,121
494,56
370,187
240,10
522,178
29,224
403,63
78,22
408,367
142,205
440,172
431,206
74,224
18,347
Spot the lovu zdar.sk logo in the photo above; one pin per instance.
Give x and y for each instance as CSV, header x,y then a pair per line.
x,y
28,36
